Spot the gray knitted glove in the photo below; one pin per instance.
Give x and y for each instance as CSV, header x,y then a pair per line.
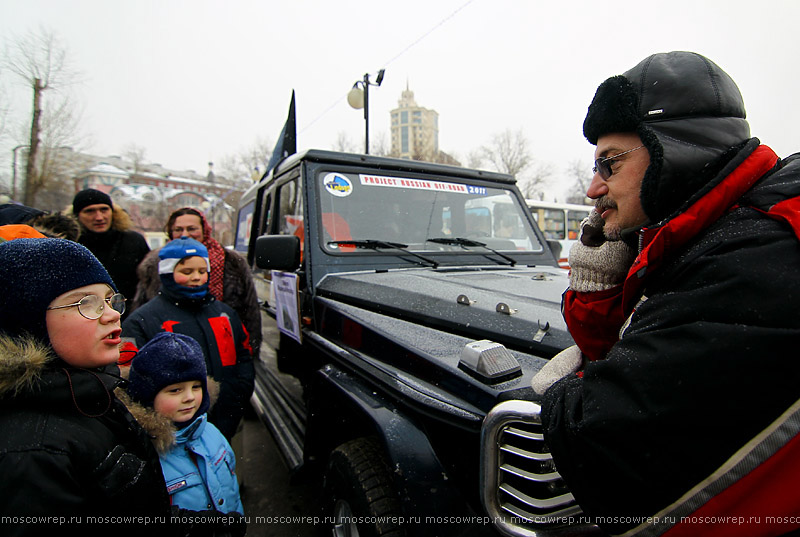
x,y
597,264
562,364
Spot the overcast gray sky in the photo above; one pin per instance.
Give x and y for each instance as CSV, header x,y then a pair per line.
x,y
193,80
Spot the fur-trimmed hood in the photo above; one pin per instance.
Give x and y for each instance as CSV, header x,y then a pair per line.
x,y
29,370
56,224
22,361
121,220
57,416
160,428
32,376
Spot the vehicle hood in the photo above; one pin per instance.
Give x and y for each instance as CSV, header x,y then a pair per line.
x,y
519,307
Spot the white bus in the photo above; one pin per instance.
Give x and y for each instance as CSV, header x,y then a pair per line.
x,y
560,222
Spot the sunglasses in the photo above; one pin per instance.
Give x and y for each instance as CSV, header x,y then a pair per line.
x,y
603,164
92,306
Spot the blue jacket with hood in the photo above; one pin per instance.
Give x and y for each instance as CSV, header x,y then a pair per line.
x,y
200,470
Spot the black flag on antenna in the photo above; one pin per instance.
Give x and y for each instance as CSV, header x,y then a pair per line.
x,y
287,141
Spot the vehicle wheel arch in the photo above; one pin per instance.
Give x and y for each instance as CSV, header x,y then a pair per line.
x,y
419,476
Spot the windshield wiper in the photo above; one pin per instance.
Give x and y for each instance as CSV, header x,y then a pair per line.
x,y
464,243
374,244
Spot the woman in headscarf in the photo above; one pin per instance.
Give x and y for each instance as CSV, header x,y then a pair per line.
x,y
230,278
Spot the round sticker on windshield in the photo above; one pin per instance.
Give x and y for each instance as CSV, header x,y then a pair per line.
x,y
338,185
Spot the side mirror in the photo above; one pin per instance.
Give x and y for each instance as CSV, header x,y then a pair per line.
x,y
278,252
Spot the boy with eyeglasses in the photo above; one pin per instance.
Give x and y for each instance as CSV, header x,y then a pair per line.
x,y
68,447
185,306
679,408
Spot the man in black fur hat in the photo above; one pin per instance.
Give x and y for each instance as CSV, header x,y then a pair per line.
x,y
683,302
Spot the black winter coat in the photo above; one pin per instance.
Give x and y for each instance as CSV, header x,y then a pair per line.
x,y
238,291
218,330
694,412
69,448
120,250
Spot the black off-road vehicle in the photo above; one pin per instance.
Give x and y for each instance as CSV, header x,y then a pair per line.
x,y
414,303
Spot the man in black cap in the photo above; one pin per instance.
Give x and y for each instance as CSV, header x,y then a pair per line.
x,y
105,231
683,301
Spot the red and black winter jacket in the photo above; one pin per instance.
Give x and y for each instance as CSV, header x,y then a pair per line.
x,y
220,332
690,409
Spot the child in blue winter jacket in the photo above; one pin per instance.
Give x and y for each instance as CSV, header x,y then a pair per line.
x,y
167,378
184,306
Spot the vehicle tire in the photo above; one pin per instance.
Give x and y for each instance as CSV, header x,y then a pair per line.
x,y
359,486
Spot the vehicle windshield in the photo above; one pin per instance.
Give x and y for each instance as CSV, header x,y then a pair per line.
x,y
421,215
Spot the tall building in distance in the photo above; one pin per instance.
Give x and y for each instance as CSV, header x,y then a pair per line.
x,y
415,132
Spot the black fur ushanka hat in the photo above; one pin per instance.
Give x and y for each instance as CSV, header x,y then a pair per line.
x,y
687,111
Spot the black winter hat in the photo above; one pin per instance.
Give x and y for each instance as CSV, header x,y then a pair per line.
x,y
90,196
13,213
687,112
33,272
167,359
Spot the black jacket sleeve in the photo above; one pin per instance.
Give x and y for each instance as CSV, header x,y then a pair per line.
x,y
702,368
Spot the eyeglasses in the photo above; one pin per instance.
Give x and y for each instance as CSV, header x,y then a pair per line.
x,y
92,306
603,164
189,229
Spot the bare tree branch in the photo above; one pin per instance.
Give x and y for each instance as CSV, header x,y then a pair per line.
x,y
508,152
534,182
579,172
249,162
136,154
39,59
60,128
475,159
41,55
343,144
4,108
380,146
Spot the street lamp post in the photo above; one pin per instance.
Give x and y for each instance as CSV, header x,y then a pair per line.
x,y
14,171
358,97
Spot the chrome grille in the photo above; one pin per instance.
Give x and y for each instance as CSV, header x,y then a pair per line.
x,y
522,490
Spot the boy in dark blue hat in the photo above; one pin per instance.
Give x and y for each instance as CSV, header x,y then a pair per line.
x,y
184,306
68,446
168,379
